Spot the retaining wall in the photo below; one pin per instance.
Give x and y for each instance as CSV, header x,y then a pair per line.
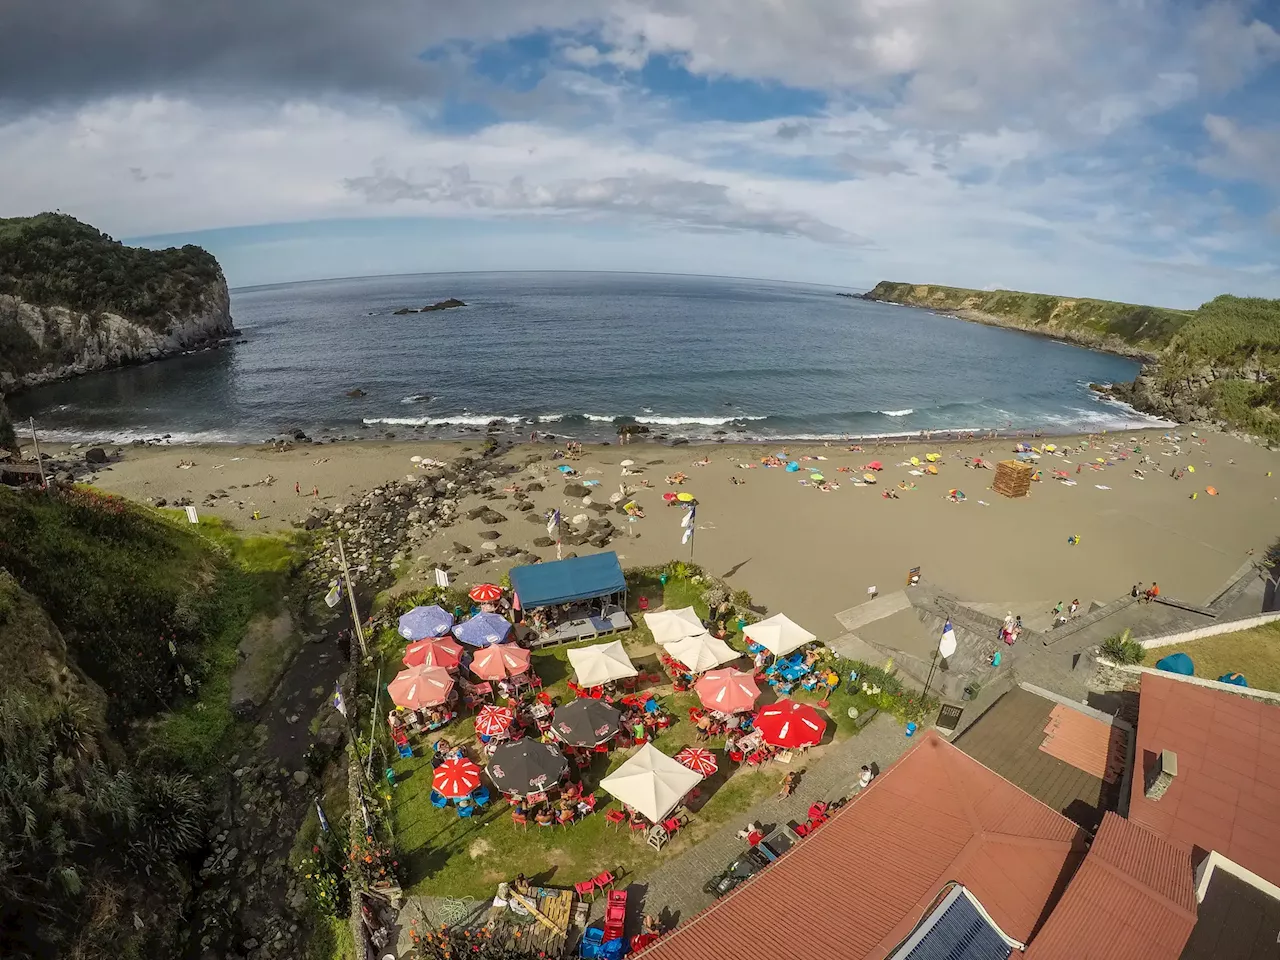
x,y
1212,630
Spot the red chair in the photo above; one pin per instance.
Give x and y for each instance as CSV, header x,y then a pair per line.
x,y
590,801
615,914
564,818
544,698
629,683
615,817
520,820
638,825
535,682
602,748
604,881
802,830
664,722
643,603
587,888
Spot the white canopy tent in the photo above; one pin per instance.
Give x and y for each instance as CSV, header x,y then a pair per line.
x,y
702,652
668,626
779,634
601,663
651,782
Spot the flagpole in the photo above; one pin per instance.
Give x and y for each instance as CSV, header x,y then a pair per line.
x,y
929,678
373,723
35,442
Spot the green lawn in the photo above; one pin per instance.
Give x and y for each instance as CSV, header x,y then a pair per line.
x,y
1254,653
445,855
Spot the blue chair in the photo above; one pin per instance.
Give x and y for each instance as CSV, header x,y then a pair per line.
x,y
651,706
406,751
480,796
437,800
468,811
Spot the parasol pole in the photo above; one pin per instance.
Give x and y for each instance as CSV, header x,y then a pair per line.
x,y
35,442
373,724
351,598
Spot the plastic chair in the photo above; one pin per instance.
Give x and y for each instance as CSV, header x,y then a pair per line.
x,y
520,820
438,800
615,817
604,881
587,888
564,818
602,748
590,801
480,796
468,811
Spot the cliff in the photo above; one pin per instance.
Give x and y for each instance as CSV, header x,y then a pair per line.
x,y
1220,361
1128,329
72,300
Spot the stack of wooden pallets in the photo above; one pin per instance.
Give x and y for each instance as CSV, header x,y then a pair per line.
x,y
1013,478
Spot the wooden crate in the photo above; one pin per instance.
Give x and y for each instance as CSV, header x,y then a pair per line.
x,y
1013,478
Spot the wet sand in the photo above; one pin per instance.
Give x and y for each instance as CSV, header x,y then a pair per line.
x,y
811,553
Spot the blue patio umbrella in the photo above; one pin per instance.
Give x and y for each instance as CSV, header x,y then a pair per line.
x,y
1177,663
423,622
482,630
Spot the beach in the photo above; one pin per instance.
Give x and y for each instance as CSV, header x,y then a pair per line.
x,y
794,547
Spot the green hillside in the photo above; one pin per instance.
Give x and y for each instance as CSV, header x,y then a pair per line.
x,y
118,634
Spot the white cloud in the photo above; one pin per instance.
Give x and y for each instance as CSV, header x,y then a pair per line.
x,y
1246,153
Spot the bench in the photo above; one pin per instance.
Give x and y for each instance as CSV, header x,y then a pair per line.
x,y
865,717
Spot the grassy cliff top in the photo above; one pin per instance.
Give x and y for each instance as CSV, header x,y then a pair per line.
x,y
55,260
1129,323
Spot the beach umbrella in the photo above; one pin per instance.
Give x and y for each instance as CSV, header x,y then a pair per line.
x,y
698,759
869,477
1178,663
727,690
1211,491
422,622
586,722
667,626
455,778
1099,459
1062,474
434,652
493,720
685,497
485,593
420,687
931,469
816,476
1050,447
565,468
500,661
601,663
933,457
1190,469
789,724
915,461
651,782
701,652
482,630
778,634
526,766
669,497
875,465
628,463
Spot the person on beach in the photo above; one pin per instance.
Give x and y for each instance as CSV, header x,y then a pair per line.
x,y
1136,592
297,488
1057,610
315,492
1075,605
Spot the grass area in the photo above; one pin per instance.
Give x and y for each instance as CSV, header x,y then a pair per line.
x,y
442,854
1254,653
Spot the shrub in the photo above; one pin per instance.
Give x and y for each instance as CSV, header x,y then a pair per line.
x,y
1122,648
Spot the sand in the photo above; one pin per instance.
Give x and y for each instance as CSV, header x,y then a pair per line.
x,y
810,553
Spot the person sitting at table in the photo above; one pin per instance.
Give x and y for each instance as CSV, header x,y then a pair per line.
x,y
788,785
544,817
704,727
571,791
567,809
748,830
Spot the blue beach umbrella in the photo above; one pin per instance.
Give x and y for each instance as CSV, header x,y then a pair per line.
x,y
1236,678
483,630
423,622
1177,663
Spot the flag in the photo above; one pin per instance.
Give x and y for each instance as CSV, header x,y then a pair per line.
x,y
324,822
442,578
338,703
192,516
688,525
553,523
334,595
947,645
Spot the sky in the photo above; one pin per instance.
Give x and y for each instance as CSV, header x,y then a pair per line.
x,y
1127,149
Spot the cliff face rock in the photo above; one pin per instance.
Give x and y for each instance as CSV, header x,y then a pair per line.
x,y
59,342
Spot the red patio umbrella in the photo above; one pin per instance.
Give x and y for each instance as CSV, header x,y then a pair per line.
x,y
485,593
727,690
434,652
875,465
790,724
493,720
456,778
697,759
500,661
419,687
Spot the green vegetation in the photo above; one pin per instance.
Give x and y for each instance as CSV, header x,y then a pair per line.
x,y
1104,322
54,259
1255,653
1122,648
8,439
118,632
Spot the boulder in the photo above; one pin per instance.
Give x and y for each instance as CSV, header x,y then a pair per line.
x,y
312,523
576,490
492,517
476,512
535,487
460,547
543,542
95,455
489,534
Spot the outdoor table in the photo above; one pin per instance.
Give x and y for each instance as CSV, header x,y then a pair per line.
x,y
539,711
750,743
479,689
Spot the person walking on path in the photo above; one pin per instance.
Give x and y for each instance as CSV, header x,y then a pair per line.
x,y
1075,605
297,488
315,492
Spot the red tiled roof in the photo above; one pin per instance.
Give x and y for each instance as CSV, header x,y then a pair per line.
x,y
1086,743
1133,898
862,882
1226,796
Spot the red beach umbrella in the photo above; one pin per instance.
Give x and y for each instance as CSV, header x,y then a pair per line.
x,y
727,690
697,759
419,687
485,593
875,465
434,652
500,661
456,778
789,724
493,720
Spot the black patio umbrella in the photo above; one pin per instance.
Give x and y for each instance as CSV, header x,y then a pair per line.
x,y
586,722
527,766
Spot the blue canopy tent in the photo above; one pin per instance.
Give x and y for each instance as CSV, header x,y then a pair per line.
x,y
562,581
1177,663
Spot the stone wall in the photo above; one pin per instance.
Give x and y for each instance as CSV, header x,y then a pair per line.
x,y
1213,630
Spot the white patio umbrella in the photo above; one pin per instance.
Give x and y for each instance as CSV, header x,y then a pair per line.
x,y
668,626
651,782
779,634
601,663
702,652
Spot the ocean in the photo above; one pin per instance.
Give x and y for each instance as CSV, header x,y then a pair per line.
x,y
576,354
